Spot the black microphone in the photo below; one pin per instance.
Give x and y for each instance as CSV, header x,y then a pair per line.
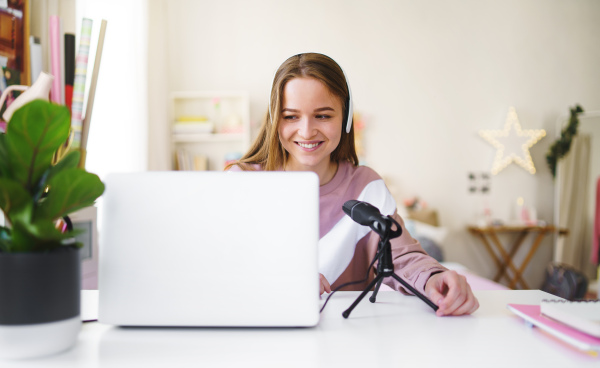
x,y
363,213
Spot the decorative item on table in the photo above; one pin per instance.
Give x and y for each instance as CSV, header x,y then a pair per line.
x,y
512,143
525,215
483,214
40,264
193,124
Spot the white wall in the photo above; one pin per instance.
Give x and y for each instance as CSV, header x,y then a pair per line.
x,y
426,75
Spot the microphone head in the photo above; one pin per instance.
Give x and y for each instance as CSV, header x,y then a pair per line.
x,y
347,207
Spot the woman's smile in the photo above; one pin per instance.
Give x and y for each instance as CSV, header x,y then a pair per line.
x,y
309,146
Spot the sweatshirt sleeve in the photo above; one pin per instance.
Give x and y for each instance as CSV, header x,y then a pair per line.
x,y
411,262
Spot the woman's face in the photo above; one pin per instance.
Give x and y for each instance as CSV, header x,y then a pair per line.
x,y
310,126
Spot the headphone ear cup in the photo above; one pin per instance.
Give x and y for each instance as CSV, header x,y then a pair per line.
x,y
350,109
347,119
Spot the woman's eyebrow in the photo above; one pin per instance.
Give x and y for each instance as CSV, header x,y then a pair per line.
x,y
327,108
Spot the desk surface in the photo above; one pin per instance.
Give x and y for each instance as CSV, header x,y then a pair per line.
x,y
396,331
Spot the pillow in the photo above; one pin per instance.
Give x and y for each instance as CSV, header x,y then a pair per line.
x,y
431,248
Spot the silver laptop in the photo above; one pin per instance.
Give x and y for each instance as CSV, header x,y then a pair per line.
x,y
209,249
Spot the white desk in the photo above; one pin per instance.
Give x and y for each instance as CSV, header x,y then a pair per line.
x,y
397,331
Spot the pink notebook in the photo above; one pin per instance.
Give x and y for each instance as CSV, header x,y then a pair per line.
x,y
532,314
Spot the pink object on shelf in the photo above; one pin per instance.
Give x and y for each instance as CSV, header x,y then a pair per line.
x,y
56,95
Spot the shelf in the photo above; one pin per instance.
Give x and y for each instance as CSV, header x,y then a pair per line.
x,y
208,137
229,111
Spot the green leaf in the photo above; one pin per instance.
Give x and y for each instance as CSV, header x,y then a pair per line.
x,y
33,135
42,235
69,191
4,167
22,239
15,202
70,161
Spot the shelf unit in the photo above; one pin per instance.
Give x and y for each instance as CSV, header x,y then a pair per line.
x,y
227,111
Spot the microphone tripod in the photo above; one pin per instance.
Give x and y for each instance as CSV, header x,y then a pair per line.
x,y
385,267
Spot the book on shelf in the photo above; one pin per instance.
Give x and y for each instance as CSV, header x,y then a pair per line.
x,y
200,163
583,315
184,161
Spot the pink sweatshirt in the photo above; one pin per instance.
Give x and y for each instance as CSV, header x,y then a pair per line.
x,y
346,248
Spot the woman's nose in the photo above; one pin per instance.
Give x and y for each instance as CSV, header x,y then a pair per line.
x,y
307,128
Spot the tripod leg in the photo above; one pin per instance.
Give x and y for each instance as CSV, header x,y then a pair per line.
x,y
362,295
415,292
374,295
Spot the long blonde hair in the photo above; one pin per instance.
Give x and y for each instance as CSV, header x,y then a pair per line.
x,y
267,150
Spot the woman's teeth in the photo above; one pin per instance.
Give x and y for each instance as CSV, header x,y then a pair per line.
x,y
308,145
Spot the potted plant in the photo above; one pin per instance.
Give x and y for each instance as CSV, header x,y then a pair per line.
x,y
39,264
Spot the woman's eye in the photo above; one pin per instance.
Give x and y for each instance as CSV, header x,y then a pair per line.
x,y
290,117
323,117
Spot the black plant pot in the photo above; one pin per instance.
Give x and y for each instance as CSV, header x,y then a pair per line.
x,y
39,302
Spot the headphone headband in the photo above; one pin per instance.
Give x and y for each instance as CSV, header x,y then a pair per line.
x,y
350,109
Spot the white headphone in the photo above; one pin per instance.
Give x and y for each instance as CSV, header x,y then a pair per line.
x,y
350,110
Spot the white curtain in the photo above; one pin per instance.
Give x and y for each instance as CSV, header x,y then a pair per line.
x,y
574,248
119,127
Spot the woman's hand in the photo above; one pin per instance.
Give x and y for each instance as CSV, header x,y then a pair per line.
x,y
451,293
325,287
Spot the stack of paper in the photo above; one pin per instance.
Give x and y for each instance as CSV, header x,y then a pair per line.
x,y
577,323
581,315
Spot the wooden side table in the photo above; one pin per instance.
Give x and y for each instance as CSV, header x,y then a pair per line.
x,y
504,260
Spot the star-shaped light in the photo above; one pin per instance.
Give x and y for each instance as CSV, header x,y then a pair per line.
x,y
512,143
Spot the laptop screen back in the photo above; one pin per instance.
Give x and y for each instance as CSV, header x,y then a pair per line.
x,y
210,249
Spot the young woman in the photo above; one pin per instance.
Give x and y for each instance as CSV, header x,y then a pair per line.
x,y
309,128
